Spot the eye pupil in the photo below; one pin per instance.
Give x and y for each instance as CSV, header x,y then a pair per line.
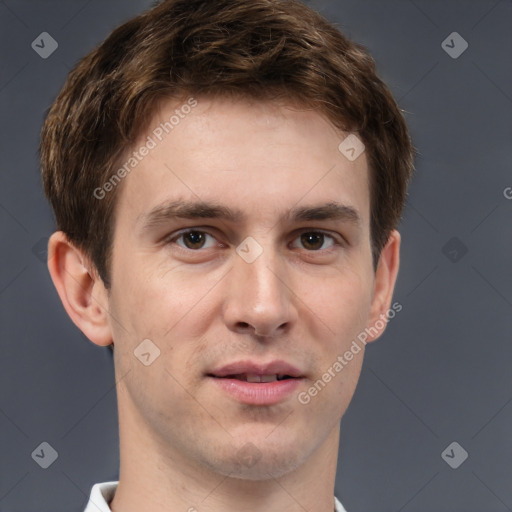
x,y
195,237
309,239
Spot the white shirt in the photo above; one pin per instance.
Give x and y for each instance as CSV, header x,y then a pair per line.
x,y
103,493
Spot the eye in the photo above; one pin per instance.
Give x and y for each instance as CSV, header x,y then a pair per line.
x,y
315,240
192,239
196,239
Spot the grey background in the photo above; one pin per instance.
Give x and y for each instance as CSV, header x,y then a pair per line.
x,y
441,372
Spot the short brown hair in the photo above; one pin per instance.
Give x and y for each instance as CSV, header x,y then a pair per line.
x,y
258,49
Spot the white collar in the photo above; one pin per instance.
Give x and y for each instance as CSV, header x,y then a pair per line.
x,y
103,493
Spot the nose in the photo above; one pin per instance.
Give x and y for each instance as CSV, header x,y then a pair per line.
x,y
259,298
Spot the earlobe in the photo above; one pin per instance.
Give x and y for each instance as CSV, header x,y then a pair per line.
x,y
384,285
80,289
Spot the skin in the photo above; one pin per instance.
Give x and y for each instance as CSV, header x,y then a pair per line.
x,y
181,436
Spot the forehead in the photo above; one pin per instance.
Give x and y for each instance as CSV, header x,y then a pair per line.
x,y
259,158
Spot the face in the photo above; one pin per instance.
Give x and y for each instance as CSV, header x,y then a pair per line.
x,y
241,237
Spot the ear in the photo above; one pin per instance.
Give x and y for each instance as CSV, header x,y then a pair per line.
x,y
384,285
80,289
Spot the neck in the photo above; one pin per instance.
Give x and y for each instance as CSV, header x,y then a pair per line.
x,y
156,476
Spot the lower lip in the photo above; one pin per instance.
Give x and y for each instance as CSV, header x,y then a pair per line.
x,y
258,393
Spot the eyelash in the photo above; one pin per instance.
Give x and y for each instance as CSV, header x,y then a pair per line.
x,y
171,239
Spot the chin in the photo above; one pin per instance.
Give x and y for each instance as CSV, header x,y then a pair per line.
x,y
266,462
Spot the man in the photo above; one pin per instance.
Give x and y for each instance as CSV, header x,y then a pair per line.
x,y
227,178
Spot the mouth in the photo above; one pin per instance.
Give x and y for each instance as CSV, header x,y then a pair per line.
x,y
251,377
250,382
260,390
255,371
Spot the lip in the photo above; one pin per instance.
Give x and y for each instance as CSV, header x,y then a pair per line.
x,y
257,393
252,367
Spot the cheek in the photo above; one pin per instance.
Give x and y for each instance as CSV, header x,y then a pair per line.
x,y
342,300
343,305
165,302
140,291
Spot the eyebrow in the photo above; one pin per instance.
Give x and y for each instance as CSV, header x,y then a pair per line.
x,y
171,210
